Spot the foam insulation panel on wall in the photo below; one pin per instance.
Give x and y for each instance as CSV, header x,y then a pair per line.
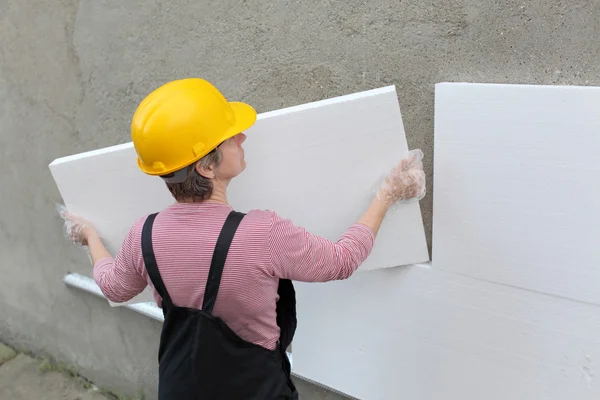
x,y
516,197
419,333
318,164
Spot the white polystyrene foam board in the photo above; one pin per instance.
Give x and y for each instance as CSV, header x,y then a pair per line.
x,y
329,160
149,309
419,333
318,164
515,173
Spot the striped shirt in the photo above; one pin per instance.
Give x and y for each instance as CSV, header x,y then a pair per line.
x,y
266,247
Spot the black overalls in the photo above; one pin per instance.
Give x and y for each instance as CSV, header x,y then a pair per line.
x,y
200,357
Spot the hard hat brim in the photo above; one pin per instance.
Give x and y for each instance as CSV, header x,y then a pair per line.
x,y
245,117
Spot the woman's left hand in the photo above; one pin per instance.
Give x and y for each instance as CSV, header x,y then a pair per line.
x,y
405,181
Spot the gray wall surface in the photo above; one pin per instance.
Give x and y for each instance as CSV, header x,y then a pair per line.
x,y
72,73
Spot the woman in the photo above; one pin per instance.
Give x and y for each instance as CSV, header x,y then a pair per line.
x,y
223,278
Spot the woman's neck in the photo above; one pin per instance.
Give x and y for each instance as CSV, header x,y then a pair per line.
x,y
219,193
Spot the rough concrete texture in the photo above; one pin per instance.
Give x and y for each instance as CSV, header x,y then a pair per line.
x,y
22,379
6,353
72,72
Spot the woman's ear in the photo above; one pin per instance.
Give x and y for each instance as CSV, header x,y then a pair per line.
x,y
206,172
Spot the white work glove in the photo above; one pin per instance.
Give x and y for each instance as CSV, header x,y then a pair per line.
x,y
406,181
76,228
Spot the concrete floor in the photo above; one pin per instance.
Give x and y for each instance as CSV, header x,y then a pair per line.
x,y
24,378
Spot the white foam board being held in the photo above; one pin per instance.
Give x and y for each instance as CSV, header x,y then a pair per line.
x,y
516,197
317,164
106,187
419,333
320,164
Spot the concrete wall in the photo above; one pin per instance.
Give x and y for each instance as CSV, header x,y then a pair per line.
x,y
72,73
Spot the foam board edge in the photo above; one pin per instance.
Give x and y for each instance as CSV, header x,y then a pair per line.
x,y
332,100
265,115
521,85
90,153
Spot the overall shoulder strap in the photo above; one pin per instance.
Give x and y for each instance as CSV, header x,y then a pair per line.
x,y
218,260
150,262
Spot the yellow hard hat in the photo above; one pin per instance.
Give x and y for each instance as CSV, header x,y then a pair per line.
x,y
181,122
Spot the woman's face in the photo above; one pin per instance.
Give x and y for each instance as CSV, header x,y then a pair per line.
x,y
232,162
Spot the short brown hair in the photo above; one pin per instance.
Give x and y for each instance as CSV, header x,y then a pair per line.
x,y
196,188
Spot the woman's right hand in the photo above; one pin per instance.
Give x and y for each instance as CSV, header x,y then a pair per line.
x,y
77,228
405,181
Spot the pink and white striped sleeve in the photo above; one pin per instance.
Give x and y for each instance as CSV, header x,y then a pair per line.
x,y
118,278
299,255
